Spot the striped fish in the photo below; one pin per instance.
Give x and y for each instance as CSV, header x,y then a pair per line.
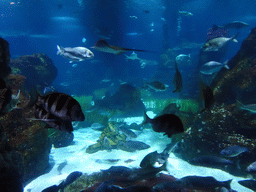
x,y
51,120
62,106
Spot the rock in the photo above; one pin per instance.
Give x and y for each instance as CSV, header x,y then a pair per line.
x,y
5,70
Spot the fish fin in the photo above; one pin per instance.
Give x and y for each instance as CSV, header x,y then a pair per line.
x,y
234,38
59,50
227,183
239,105
226,64
146,119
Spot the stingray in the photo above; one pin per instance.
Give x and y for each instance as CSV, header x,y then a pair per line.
x,y
103,46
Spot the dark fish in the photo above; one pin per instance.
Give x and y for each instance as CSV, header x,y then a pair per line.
x,y
210,161
75,54
202,183
132,146
149,172
168,123
53,188
70,179
103,46
249,183
104,186
251,168
62,106
113,171
207,96
51,120
150,159
127,132
177,80
235,25
233,151
169,186
5,96
61,166
156,85
137,188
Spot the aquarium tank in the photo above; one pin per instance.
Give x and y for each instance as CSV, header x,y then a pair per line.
x,y
127,95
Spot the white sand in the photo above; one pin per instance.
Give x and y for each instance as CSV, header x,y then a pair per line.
x,y
78,160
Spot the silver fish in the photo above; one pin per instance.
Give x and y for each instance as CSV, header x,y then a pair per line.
x,y
75,54
233,151
218,43
235,25
212,67
250,107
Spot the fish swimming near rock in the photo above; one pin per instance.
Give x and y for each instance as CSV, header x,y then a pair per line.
x,y
202,183
250,107
182,58
61,166
233,151
235,25
249,183
156,85
177,80
212,67
218,43
210,161
251,168
103,46
126,131
76,54
169,124
69,179
62,106
51,120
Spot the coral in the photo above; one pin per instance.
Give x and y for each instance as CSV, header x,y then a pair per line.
x,y
113,138
37,68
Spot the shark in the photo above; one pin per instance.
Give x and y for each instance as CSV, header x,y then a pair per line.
x,y
103,46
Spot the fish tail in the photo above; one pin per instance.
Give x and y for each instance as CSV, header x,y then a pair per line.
x,y
239,105
226,64
227,184
146,119
234,38
60,50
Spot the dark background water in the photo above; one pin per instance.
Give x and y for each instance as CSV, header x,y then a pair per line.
x,y
37,26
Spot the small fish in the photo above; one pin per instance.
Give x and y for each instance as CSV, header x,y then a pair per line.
x,y
133,56
181,58
233,151
62,106
61,166
70,179
185,13
132,146
156,85
177,80
75,54
127,132
103,46
235,25
133,17
251,168
212,67
168,123
202,183
250,107
218,43
210,161
249,183
96,126
84,40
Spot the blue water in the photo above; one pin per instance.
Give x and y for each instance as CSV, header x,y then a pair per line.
x,y
37,26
